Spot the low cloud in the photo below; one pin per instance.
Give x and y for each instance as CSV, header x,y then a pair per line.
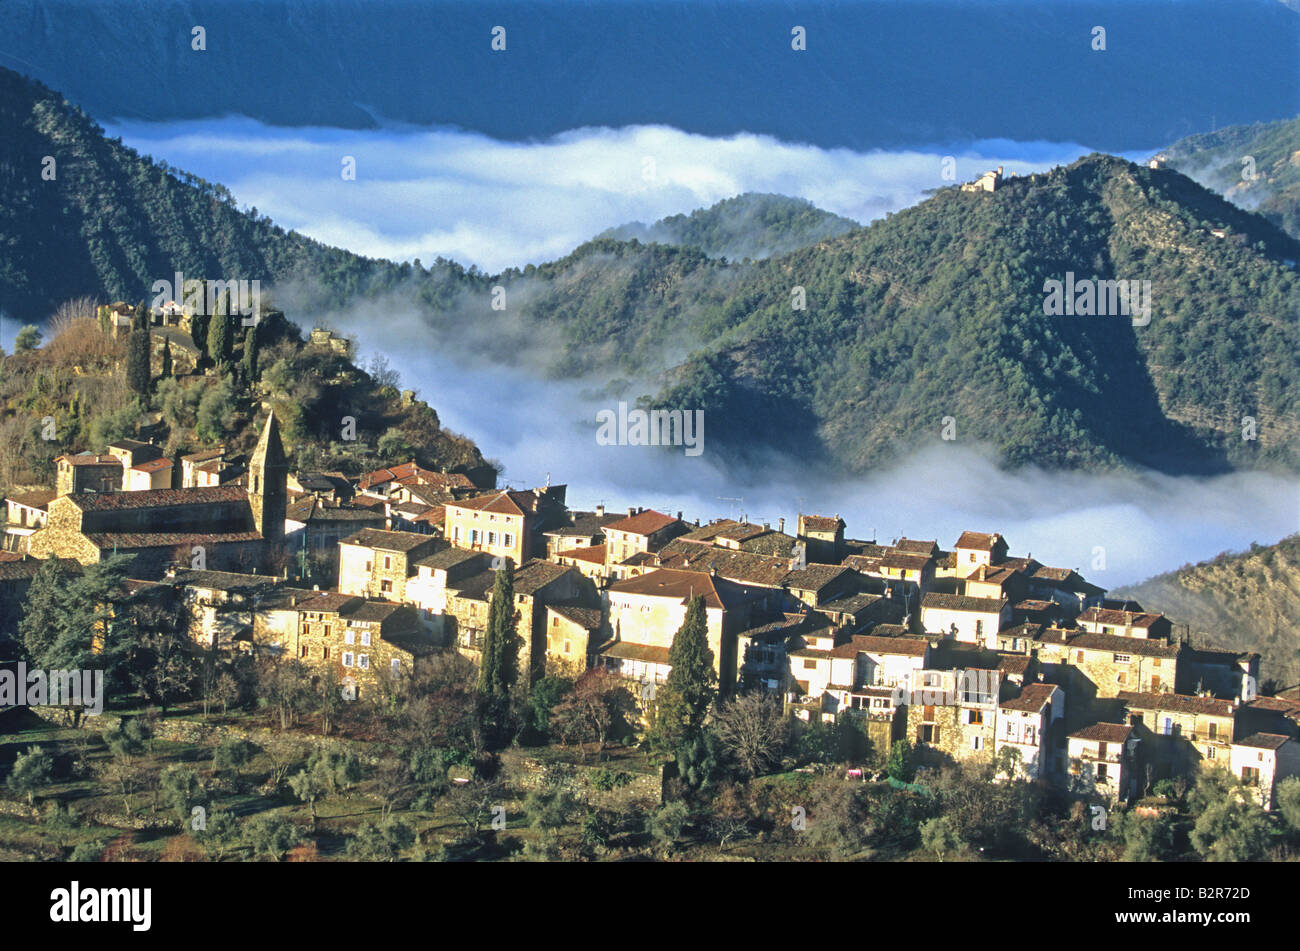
x,y
1143,523
422,193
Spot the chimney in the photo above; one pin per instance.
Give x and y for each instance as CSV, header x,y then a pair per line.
x,y
780,524
679,515
631,510
600,510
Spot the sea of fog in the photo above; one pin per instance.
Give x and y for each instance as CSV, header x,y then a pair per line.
x,y
429,193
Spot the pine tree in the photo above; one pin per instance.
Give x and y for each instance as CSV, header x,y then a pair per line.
x,y
500,656
44,610
683,701
166,358
138,354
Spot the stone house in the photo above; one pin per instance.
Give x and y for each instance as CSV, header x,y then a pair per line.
x,y
963,618
1031,723
1181,732
817,584
643,531
1103,761
86,472
952,714
1126,623
506,524
978,548
25,513
377,563
573,632
1261,761
649,610
823,538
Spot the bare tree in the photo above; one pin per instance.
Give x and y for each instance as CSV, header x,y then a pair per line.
x,y
753,730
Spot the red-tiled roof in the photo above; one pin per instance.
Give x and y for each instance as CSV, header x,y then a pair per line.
x,y
979,541
646,653
643,523
106,541
682,585
1177,702
1105,732
868,644
1033,697
1264,741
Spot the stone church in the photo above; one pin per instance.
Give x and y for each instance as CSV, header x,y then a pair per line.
x,y
228,527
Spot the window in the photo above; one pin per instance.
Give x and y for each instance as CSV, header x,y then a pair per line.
x,y
1122,677
326,652
567,649
1101,750
365,638
975,716
473,536
1078,657
349,637
397,663
1209,752
386,585
1029,734
1214,731
492,538
347,658
455,533
363,660
810,665
303,651
1250,775
1167,728
327,630
388,561
508,540
979,628
1101,773
977,743
1123,658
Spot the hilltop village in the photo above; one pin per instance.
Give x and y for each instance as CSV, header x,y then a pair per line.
x,y
963,649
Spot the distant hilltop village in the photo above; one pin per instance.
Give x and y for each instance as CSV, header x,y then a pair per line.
x,y
988,182
965,651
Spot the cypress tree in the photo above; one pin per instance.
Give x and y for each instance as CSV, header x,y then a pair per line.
x,y
683,701
499,666
141,319
166,358
219,334
138,355
199,333
250,355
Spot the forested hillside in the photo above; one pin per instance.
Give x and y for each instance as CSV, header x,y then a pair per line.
x,y
850,352
1254,166
1247,601
81,214
746,226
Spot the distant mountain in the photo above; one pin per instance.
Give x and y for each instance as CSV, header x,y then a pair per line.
x,y
1254,166
84,215
751,225
848,353
938,312
1247,601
